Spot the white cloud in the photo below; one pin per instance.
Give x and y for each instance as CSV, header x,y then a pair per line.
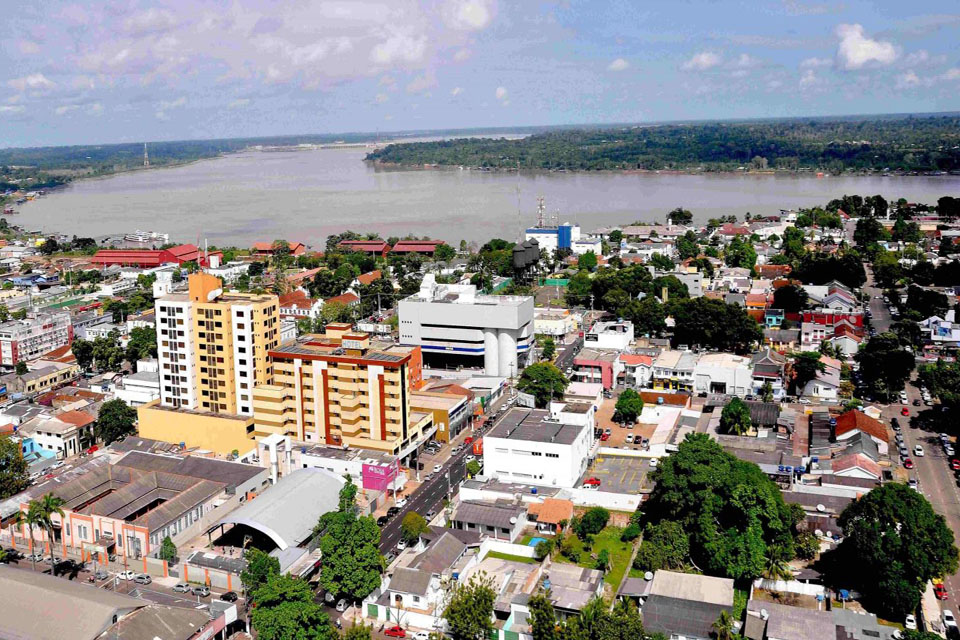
x,y
501,93
95,109
856,50
908,80
399,48
175,104
239,103
150,21
11,108
461,55
67,108
809,79
421,83
618,65
922,58
456,91
380,98
702,61
33,82
746,61
469,15
814,63
951,74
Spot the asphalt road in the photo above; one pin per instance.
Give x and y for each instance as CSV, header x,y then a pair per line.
x,y
566,353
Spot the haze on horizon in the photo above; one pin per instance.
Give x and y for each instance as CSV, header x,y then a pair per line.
x,y
100,72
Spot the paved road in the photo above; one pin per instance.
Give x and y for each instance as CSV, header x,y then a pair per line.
x,y
566,353
880,313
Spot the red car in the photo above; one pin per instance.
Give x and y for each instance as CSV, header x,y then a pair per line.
x,y
591,482
468,440
940,591
605,437
955,464
908,464
395,632
904,411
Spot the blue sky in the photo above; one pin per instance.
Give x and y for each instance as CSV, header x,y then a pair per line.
x,y
89,72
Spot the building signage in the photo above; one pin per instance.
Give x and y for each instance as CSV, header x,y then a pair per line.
x,y
378,477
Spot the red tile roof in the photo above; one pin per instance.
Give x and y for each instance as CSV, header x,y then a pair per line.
x,y
148,257
635,359
365,245
417,246
854,460
76,418
346,298
366,278
296,248
859,421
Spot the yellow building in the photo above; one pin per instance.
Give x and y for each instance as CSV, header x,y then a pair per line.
x,y
339,388
221,433
212,346
451,411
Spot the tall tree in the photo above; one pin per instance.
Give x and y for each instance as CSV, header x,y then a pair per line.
x,y
48,506
349,543
806,365
286,611
115,421
412,527
543,618
628,407
894,543
680,216
260,566
884,366
735,418
469,614
549,349
790,298
32,519
544,381
14,476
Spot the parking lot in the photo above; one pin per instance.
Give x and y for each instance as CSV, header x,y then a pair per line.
x,y
621,474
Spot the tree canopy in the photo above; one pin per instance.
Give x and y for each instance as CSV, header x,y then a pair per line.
x,y
628,407
884,366
470,611
732,512
260,566
713,324
115,421
286,611
352,563
413,526
735,418
544,381
14,476
894,542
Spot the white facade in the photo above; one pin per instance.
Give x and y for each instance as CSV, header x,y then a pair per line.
x,y
175,351
723,373
610,335
538,451
28,339
555,322
117,288
564,236
584,245
454,319
138,388
230,271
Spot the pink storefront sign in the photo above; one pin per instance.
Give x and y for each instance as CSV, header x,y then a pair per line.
x,y
378,477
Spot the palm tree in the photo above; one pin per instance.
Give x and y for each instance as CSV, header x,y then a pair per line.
x,y
723,626
32,518
776,568
48,505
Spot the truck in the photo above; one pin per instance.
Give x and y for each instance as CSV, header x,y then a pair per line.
x,y
478,447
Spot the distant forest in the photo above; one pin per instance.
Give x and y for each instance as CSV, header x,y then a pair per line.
x,y
896,144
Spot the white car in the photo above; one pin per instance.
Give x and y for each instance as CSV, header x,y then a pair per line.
x,y
948,619
910,622
421,635
401,545
437,468
654,462
918,451
402,502
127,575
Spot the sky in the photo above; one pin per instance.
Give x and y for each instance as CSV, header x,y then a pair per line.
x,y
129,71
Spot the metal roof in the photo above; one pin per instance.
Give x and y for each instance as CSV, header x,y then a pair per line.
x,y
491,514
288,511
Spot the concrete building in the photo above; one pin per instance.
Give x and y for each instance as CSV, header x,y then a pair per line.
x,y
610,335
723,373
212,346
686,605
28,339
43,376
452,412
555,322
452,323
529,446
139,388
341,388
552,238
673,370
66,434
598,366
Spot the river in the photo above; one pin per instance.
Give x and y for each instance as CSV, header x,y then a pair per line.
x,y
307,195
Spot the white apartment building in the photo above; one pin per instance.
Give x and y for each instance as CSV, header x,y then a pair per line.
x,y
528,446
141,387
28,339
454,321
723,373
610,335
175,351
551,238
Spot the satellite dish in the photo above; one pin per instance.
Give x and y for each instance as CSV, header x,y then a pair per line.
x,y
818,533
764,615
513,520
821,508
648,576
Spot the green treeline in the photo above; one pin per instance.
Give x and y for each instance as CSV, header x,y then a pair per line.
x,y
915,143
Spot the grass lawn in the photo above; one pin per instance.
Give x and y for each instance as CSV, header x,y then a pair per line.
x,y
620,553
507,556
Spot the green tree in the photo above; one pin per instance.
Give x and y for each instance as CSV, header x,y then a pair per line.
x,y
412,527
713,324
19,314
735,418
661,262
894,543
48,506
885,367
790,298
731,511
4,312
358,632
142,344
680,216
766,392
168,550
912,634
115,421
592,522
723,626
544,381
942,379
665,546
687,246
648,316
628,407
587,261
615,236
543,549
32,519
740,253
469,614
286,611
352,561
473,468
444,253
549,349
260,566
21,368
347,500
543,618
806,365
14,476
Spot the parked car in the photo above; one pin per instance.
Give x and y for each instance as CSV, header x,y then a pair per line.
x,y
392,511
607,432
948,619
429,515
395,632
955,464
181,587
940,591
908,464
230,596
910,622
201,590
591,483
654,462
918,451
100,574
401,545
916,402
629,438
401,503
143,579
127,575
437,468
421,635
382,521
605,437
904,411
468,440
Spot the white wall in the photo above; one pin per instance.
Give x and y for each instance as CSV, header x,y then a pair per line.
x,y
544,463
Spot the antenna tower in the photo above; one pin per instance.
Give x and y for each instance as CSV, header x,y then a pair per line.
x,y
146,158
540,210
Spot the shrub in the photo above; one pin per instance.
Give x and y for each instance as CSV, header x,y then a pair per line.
x,y
631,533
592,522
543,549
